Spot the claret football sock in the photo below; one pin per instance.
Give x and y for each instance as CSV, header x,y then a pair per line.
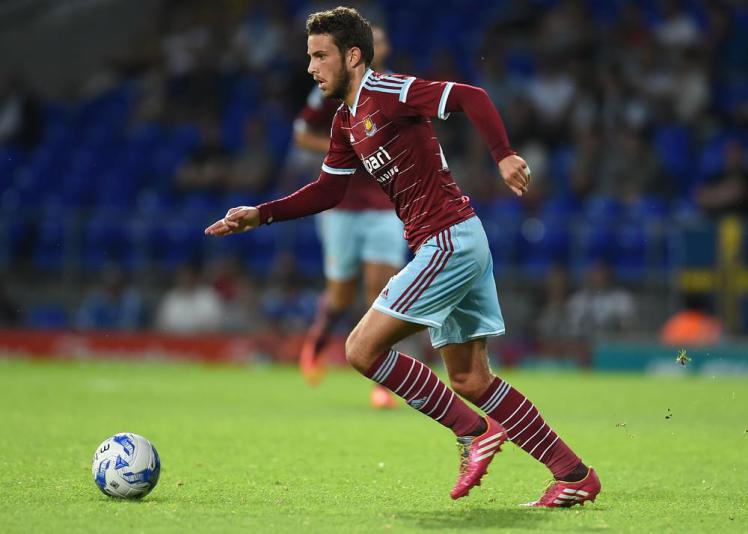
x,y
576,474
421,388
480,428
527,429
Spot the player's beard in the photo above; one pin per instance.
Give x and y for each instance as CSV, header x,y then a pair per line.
x,y
340,90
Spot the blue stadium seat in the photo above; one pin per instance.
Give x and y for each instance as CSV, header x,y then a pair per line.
x,y
630,252
646,210
259,249
104,242
600,210
174,242
307,248
541,245
47,316
501,241
673,145
52,244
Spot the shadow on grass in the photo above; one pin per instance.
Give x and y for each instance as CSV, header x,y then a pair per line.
x,y
491,518
477,518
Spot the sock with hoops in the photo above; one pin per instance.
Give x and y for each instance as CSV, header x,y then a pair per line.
x,y
408,378
527,429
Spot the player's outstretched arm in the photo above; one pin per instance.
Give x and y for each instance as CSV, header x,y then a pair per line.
x,y
324,193
481,112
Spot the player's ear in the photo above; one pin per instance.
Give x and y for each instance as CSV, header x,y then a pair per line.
x,y
354,56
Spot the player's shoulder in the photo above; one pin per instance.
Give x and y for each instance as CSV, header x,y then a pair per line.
x,y
387,86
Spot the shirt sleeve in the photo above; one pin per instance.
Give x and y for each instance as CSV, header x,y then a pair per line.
x,y
324,193
413,97
341,158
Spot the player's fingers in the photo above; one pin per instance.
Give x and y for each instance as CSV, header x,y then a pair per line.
x,y
523,177
517,191
515,180
238,215
215,225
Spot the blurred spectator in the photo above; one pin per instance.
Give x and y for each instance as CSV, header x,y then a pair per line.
x,y
20,116
693,326
261,35
552,93
599,308
253,167
552,332
677,27
208,168
553,321
727,191
10,311
113,306
629,169
190,306
239,297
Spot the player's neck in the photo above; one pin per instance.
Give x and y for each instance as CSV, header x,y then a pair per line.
x,y
356,79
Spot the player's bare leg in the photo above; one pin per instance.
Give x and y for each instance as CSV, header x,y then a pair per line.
x,y
470,376
336,300
376,276
369,351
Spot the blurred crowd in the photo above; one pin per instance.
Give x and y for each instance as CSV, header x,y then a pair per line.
x,y
632,115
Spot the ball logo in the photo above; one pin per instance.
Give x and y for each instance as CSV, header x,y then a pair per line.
x,y
370,127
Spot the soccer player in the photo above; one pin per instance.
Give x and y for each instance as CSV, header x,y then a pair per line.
x,y
385,122
361,234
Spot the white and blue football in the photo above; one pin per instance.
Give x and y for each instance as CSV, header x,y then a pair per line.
x,y
126,466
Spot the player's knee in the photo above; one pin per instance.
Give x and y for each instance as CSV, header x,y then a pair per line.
x,y
355,351
468,385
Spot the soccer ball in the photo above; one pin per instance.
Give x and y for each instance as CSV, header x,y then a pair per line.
x,y
126,466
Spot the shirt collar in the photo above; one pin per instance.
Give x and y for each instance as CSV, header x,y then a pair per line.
x,y
358,93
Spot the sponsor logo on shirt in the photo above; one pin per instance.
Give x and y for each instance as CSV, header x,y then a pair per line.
x,y
378,160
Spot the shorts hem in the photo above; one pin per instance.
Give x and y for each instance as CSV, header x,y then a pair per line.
x,y
335,277
493,333
390,262
408,318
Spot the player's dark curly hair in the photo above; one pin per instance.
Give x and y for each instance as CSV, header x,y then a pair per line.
x,y
347,27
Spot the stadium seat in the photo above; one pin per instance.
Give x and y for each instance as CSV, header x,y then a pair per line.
x,y
47,316
542,244
104,242
630,252
600,210
307,248
52,244
673,145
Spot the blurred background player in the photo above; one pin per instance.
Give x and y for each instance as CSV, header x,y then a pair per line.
x,y
361,236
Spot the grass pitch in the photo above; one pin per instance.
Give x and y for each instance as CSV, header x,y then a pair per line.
x,y
252,449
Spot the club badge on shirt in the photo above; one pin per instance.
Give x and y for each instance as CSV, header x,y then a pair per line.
x,y
370,127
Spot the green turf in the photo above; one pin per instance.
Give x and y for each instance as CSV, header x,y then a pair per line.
x,y
252,449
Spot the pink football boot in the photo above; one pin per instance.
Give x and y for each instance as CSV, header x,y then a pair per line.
x,y
476,453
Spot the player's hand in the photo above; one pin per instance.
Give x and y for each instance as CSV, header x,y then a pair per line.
x,y
237,220
516,174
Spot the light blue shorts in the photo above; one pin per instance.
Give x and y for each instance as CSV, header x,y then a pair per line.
x,y
449,287
350,238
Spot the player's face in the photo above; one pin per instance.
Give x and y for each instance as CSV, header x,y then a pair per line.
x,y
327,66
